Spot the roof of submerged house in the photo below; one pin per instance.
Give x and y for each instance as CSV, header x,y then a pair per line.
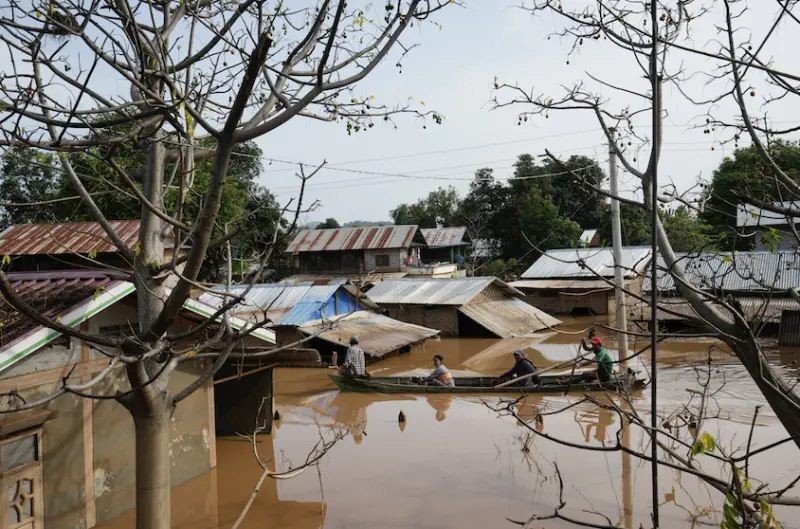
x,y
69,237
587,263
352,239
434,291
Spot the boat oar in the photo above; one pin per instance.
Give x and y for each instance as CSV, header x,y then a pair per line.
x,y
565,363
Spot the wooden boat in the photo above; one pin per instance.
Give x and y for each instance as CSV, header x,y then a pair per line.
x,y
550,384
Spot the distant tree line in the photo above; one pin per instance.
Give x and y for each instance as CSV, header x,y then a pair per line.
x,y
542,206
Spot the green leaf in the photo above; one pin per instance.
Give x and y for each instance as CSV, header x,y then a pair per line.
x,y
92,254
730,515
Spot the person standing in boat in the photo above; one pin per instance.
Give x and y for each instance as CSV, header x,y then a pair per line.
x,y
354,365
441,375
605,364
522,366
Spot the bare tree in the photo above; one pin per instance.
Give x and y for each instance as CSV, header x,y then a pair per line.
x,y
659,41
195,73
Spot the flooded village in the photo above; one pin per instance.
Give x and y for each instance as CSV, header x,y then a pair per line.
x,y
344,265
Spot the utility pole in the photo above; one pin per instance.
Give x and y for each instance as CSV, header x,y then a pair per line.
x,y
616,244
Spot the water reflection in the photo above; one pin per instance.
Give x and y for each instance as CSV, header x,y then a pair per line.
x,y
454,463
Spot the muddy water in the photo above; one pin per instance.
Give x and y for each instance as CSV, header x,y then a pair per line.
x,y
456,462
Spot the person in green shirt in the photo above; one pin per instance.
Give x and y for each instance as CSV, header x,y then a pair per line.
x,y
605,364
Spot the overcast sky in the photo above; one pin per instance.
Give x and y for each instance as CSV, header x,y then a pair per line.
x,y
453,72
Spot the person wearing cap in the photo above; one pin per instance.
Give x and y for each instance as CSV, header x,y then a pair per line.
x,y
605,364
522,366
354,365
441,375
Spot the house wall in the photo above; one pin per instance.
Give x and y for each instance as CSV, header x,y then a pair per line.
x,y
785,242
88,447
555,302
443,318
396,257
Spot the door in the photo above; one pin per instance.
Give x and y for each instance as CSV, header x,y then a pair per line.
x,y
22,481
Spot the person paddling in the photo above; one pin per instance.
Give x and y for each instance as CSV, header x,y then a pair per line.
x,y
605,364
522,366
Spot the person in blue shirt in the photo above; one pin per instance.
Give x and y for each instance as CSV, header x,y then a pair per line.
x,y
522,366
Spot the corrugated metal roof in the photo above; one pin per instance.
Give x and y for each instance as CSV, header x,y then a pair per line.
x,y
751,216
340,239
283,304
51,294
734,272
509,318
446,237
70,237
587,262
562,284
434,291
378,335
754,308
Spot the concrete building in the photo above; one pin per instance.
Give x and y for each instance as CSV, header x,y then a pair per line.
x,y
69,464
361,254
475,306
755,283
576,280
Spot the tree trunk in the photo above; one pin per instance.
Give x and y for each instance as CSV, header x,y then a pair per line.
x,y
152,470
783,401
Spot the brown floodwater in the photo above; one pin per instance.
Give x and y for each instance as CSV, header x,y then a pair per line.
x,y
456,462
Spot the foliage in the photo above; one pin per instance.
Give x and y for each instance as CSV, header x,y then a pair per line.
x,y
29,176
746,173
686,231
442,203
330,222
497,268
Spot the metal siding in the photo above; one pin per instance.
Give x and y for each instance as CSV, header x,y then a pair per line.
x,y
761,309
596,262
434,291
509,318
563,284
790,328
733,272
378,335
70,237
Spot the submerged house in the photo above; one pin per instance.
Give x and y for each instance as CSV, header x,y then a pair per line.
x,y
755,283
590,238
446,245
475,306
330,315
35,247
361,254
70,461
575,280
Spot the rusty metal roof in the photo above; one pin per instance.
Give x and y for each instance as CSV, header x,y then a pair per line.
x,y
733,272
458,291
509,318
378,335
51,294
587,262
70,237
446,237
343,239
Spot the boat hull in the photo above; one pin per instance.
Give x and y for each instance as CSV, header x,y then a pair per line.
x,y
481,385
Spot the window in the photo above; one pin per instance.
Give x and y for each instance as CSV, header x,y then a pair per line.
x,y
382,260
19,452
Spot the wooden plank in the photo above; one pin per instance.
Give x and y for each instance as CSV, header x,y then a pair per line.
x,y
33,380
245,373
